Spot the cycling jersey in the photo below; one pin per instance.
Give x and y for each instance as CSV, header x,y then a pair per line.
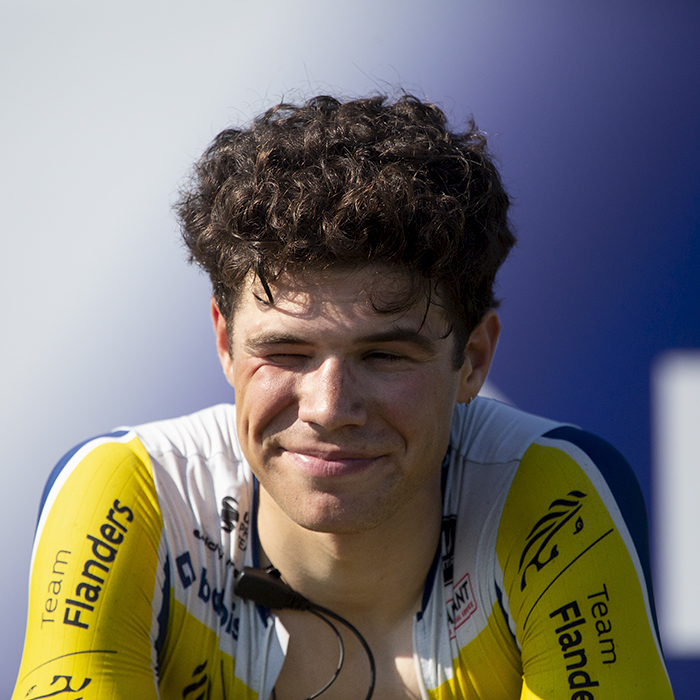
x,y
540,586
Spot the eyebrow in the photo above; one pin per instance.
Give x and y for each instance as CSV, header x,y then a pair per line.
x,y
268,339
402,335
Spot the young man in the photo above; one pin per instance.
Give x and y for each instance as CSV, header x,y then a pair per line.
x,y
446,546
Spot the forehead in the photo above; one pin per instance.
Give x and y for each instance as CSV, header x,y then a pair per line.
x,y
373,292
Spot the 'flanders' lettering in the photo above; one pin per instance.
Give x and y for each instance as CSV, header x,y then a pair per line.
x,y
571,643
104,550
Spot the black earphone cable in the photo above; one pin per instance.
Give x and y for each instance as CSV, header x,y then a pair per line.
x,y
341,652
361,639
266,587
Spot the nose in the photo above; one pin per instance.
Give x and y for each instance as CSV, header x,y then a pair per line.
x,y
332,396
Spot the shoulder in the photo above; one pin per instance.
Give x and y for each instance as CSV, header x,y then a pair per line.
x,y
149,451
206,433
488,441
567,467
489,431
574,508
543,461
538,470
567,457
99,459
607,469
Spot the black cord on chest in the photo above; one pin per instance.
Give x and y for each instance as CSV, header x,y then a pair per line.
x,y
266,587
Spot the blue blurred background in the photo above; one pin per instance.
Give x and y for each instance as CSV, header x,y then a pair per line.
x,y
593,109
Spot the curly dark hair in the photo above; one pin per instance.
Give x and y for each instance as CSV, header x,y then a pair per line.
x,y
330,184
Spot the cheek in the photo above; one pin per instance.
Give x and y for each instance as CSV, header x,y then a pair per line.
x,y
422,403
263,397
432,387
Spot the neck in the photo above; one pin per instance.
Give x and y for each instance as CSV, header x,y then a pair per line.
x,y
378,574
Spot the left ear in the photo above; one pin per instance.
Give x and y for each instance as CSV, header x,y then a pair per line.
x,y
477,356
222,341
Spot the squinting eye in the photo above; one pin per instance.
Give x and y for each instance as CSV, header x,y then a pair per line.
x,y
286,359
385,356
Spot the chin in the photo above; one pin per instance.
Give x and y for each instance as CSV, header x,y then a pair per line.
x,y
339,519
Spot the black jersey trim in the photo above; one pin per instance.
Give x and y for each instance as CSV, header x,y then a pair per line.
x,y
625,489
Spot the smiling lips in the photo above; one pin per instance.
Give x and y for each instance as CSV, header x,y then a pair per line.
x,y
331,464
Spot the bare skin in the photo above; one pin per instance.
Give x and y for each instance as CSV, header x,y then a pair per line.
x,y
344,415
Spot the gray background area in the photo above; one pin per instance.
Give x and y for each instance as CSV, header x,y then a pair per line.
x,y
593,110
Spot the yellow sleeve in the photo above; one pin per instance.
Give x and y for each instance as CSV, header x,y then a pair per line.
x,y
576,577
91,623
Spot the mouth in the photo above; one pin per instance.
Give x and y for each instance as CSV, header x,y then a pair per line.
x,y
331,464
